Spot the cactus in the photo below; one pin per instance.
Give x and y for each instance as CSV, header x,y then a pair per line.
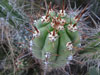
x,y
56,35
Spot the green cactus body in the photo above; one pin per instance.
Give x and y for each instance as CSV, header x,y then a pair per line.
x,y
50,47
40,41
76,39
63,52
55,37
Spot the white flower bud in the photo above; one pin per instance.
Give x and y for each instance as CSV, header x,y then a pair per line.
x,y
36,34
45,19
58,23
52,24
72,28
62,21
35,21
60,27
52,37
51,11
69,46
62,13
47,55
